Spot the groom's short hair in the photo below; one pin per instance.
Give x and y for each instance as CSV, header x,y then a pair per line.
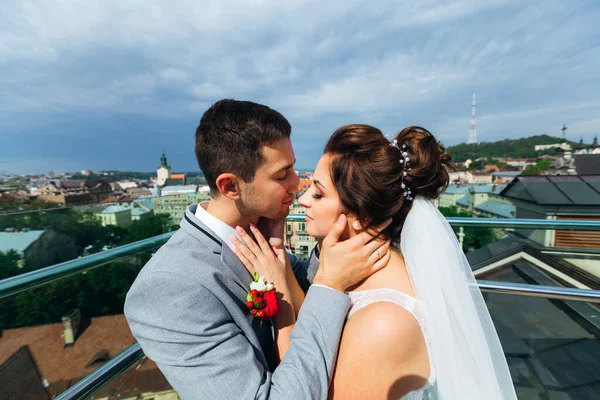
x,y
231,135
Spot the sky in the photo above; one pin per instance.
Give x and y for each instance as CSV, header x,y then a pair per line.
x,y
109,85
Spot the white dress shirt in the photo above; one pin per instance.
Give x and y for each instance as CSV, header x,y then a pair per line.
x,y
219,227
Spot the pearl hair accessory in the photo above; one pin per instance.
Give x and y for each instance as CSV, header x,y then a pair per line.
x,y
404,160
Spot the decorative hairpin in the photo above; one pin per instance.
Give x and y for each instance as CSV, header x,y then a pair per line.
x,y
404,160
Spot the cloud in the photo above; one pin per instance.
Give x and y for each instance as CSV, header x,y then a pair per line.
x,y
87,66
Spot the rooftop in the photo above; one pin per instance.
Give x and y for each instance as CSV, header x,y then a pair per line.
x,y
499,208
553,190
114,209
18,241
62,366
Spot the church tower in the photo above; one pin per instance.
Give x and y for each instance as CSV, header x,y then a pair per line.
x,y
164,171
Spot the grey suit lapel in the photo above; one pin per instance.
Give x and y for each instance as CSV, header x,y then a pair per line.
x,y
196,228
239,284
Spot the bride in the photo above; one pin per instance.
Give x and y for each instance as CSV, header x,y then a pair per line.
x,y
419,328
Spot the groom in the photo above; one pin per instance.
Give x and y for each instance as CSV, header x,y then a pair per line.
x,y
187,307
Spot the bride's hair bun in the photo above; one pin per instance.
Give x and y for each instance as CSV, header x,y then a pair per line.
x,y
429,163
367,173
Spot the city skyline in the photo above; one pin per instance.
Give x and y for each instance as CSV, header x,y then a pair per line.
x,y
106,87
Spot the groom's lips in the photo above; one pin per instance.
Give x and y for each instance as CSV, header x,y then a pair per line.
x,y
289,202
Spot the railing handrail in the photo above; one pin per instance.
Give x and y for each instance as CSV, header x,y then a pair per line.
x,y
97,379
576,225
42,276
45,275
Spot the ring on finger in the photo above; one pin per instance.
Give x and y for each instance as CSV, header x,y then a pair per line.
x,y
378,254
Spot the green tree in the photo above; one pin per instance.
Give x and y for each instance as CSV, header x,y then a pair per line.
x,y
539,168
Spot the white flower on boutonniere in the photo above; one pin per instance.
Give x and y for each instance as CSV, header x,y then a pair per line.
x,y
260,284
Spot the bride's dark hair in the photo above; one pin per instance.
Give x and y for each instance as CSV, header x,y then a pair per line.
x,y
366,172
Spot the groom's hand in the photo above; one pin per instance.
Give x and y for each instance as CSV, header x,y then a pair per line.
x,y
344,264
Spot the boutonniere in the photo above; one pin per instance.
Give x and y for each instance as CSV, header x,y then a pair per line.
x,y
262,298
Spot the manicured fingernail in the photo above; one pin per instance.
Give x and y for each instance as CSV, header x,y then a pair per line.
x,y
233,238
239,229
252,226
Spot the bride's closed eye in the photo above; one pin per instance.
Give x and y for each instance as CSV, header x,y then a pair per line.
x,y
316,196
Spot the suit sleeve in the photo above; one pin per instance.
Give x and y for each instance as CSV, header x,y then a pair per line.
x,y
204,354
304,269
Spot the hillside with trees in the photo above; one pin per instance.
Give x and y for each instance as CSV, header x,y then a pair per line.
x,y
514,148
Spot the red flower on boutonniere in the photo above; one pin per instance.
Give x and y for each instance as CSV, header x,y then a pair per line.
x,y
262,299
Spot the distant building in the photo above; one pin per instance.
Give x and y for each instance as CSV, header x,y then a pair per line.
x,y
485,201
452,194
481,177
560,198
563,146
38,248
461,177
174,204
594,149
115,215
297,239
520,163
491,168
75,192
125,185
163,172
501,177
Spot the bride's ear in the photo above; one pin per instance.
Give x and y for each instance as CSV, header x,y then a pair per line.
x,y
355,224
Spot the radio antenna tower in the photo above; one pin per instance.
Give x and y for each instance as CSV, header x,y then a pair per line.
x,y
473,125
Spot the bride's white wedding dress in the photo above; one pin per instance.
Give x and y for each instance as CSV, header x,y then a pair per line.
x,y
414,306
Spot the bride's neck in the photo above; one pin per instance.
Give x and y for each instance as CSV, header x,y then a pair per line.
x,y
392,276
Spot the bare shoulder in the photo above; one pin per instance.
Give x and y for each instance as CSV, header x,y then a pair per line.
x,y
386,341
385,325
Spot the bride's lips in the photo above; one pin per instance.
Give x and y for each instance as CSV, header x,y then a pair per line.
x,y
307,218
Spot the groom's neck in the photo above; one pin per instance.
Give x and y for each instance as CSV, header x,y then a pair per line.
x,y
228,212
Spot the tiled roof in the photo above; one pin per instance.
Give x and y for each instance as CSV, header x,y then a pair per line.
x,y
116,199
587,164
464,201
565,190
139,211
62,366
114,209
507,173
457,189
500,208
18,241
145,203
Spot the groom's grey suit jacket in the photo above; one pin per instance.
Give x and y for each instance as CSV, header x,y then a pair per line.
x,y
187,309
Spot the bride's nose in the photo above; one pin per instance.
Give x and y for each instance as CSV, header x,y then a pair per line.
x,y
304,200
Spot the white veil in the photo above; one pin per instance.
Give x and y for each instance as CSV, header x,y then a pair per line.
x,y
467,357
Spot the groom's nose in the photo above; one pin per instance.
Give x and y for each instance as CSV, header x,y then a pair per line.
x,y
295,183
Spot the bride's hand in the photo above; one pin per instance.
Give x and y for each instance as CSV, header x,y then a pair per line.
x,y
258,255
345,263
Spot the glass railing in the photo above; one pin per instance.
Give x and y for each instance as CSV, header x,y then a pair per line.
x,y
550,330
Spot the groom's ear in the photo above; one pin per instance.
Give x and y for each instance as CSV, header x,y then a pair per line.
x,y
228,185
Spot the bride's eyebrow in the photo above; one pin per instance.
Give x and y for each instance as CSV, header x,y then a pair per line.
x,y
318,183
